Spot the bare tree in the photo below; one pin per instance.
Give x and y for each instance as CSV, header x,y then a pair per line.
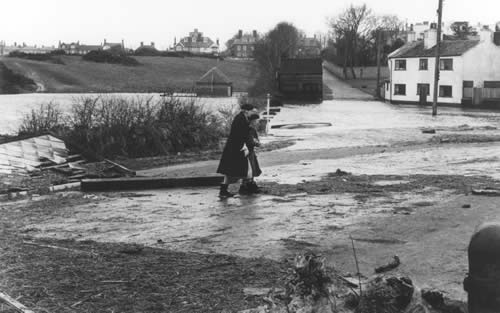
x,y
348,27
462,30
282,41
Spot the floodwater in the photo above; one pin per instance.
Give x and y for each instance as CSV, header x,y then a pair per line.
x,y
371,123
13,107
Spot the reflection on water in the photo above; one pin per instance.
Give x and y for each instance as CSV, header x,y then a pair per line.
x,y
14,106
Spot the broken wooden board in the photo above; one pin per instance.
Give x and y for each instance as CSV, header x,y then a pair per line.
x,y
14,303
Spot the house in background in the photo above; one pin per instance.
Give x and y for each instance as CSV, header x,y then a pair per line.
x,y
147,49
196,43
301,79
214,83
243,45
113,46
469,70
309,48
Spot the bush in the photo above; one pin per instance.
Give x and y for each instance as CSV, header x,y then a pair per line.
x,y
52,57
48,117
103,56
133,127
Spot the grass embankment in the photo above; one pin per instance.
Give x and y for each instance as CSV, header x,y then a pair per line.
x,y
366,77
11,82
154,74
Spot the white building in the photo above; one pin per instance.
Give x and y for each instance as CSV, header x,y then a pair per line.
x,y
469,70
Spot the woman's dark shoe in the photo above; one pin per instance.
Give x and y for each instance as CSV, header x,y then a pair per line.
x,y
244,189
223,193
254,188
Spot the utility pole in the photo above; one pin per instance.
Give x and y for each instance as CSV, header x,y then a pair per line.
x,y
436,68
379,48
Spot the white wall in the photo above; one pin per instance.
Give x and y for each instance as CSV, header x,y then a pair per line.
x,y
413,76
482,63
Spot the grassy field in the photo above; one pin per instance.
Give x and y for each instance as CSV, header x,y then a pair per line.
x,y
154,74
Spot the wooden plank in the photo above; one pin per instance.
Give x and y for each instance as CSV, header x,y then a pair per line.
x,y
120,167
13,302
138,183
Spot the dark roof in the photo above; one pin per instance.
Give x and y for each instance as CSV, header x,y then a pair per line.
x,y
447,48
214,76
198,44
302,66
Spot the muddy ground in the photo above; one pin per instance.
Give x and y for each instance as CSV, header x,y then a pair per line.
x,y
119,261
52,275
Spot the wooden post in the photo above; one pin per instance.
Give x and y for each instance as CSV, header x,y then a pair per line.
x,y
267,114
436,67
379,45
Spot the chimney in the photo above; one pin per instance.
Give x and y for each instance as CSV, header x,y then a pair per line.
x,y
175,41
430,37
152,44
217,41
411,36
104,42
142,43
254,33
485,34
240,34
123,44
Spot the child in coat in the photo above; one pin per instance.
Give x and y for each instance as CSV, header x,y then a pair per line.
x,y
251,143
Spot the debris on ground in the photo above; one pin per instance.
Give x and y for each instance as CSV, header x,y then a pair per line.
x,y
386,295
486,192
37,163
392,265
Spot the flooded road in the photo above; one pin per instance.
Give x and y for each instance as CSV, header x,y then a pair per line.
x,y
408,195
362,123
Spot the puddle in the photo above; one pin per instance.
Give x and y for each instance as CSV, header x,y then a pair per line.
x,y
301,125
390,182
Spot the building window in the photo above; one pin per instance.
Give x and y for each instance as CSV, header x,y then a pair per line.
x,y
446,64
426,87
244,48
422,65
400,89
238,47
400,65
445,91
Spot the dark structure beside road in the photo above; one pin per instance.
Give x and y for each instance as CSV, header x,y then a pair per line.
x,y
214,83
301,80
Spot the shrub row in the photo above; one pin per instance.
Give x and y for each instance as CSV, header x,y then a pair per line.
x,y
103,56
133,127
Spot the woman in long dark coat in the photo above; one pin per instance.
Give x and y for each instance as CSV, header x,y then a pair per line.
x,y
234,163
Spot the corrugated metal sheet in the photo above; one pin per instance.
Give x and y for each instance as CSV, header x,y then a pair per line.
x,y
28,154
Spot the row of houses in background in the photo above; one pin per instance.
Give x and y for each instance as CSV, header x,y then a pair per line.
x,y
23,47
469,69
241,46
80,49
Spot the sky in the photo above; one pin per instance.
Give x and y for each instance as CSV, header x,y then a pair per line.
x,y
45,22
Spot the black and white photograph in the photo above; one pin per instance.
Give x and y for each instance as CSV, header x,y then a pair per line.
x,y
259,157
